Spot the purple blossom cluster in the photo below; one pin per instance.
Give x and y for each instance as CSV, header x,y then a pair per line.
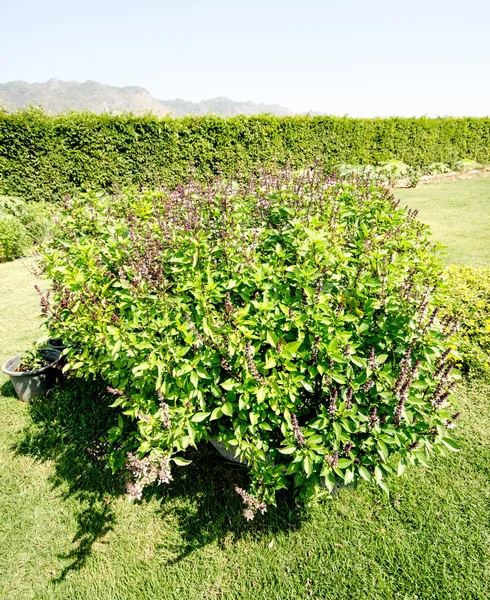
x,y
373,417
252,503
373,363
314,353
408,373
348,398
164,411
144,472
251,364
298,434
333,460
332,404
114,391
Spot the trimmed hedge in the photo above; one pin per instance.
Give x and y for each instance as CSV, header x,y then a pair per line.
x,y
44,157
467,298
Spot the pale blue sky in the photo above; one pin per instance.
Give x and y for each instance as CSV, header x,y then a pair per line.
x,y
368,58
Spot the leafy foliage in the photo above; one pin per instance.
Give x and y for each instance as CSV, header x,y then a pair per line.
x,y
438,168
467,164
290,319
43,157
467,298
13,238
22,225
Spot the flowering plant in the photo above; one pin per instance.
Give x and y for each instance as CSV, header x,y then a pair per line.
x,y
292,319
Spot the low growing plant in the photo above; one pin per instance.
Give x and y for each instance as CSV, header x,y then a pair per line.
x,y
292,320
22,226
467,299
395,170
414,176
14,241
36,358
467,164
438,168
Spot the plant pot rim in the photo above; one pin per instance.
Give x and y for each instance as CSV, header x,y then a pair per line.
x,y
13,362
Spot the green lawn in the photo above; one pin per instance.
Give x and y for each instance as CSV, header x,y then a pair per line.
x,y
67,531
458,213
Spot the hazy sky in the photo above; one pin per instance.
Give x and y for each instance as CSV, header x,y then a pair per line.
x,y
363,58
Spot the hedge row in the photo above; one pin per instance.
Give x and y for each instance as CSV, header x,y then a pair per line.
x,y
43,157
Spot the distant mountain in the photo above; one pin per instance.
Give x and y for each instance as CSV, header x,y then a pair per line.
x,y
223,106
61,96
56,96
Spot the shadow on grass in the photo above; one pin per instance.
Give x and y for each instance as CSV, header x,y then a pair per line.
x,y
7,390
66,427
203,502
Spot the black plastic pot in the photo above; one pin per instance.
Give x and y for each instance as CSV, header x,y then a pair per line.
x,y
29,384
57,345
227,452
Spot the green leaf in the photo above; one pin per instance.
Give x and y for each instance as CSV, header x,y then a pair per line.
x,y
203,374
344,462
194,379
349,476
307,386
384,487
330,482
186,368
287,450
229,384
138,369
451,444
338,378
307,465
315,440
337,429
270,363
293,347
402,465
261,394
365,474
216,414
382,450
181,462
271,339
200,416
117,402
227,409
378,474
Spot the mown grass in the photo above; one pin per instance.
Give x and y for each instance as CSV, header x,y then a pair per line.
x,y
458,213
67,531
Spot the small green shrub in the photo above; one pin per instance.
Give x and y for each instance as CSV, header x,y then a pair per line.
x,y
37,220
14,241
466,165
438,168
395,169
346,170
291,319
467,298
414,176
23,224
11,206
